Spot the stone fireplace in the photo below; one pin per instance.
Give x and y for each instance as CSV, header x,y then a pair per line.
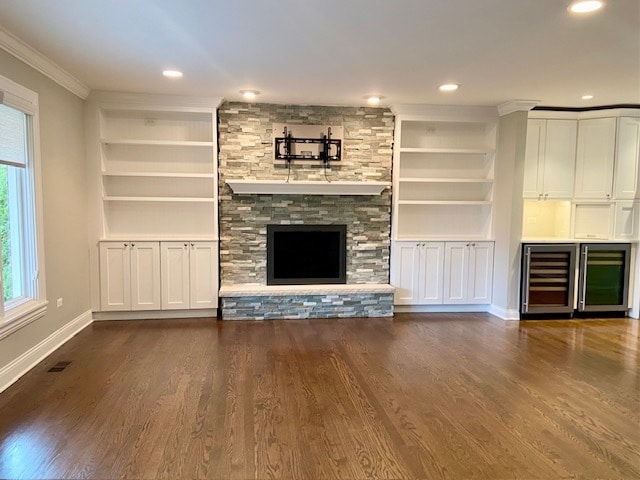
x,y
246,152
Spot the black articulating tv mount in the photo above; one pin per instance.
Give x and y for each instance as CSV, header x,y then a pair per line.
x,y
285,147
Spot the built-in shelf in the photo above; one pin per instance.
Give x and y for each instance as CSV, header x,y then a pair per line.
x,y
158,174
457,151
444,202
445,180
159,238
160,199
310,187
169,143
443,238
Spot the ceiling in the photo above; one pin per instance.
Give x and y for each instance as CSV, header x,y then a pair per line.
x,y
334,52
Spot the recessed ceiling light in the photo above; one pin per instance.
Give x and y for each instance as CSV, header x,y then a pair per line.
x,y
249,94
373,99
586,6
587,97
172,73
449,87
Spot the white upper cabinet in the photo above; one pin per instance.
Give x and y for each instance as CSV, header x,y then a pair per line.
x,y
625,185
550,159
595,158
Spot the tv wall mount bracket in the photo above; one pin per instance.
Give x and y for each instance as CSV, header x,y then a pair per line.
x,y
324,148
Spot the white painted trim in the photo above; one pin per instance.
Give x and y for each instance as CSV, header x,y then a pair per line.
x,y
445,112
29,55
306,187
516,106
156,314
503,313
21,316
145,101
11,372
441,308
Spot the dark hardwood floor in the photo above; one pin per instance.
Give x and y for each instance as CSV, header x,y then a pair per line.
x,y
417,396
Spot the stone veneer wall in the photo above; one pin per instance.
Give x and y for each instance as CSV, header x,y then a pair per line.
x,y
246,152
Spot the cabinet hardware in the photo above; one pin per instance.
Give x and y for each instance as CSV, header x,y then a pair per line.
x,y
585,254
527,268
126,244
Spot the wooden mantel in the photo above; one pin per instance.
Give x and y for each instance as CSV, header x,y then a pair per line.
x,y
305,187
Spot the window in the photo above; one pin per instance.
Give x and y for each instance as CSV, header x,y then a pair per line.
x,y
23,297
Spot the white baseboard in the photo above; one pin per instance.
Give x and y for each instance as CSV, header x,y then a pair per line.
x,y
440,308
11,372
503,313
156,314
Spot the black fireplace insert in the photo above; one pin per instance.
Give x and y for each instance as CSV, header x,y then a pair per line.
x,y
306,254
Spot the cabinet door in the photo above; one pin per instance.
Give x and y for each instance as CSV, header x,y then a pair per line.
x,y
203,273
627,158
594,159
480,273
405,272
534,159
626,221
175,275
145,276
559,158
115,276
456,265
431,275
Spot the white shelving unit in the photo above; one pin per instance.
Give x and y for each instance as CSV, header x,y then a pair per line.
x,y
443,173
443,187
154,172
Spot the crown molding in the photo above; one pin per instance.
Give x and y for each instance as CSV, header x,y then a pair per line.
x,y
19,49
516,106
444,112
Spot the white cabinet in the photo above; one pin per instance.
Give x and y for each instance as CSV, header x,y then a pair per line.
x,y
436,273
549,159
468,272
129,276
189,275
595,158
625,184
417,272
443,173
153,177
626,221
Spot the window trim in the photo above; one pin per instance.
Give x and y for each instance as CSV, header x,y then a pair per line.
x,y
24,312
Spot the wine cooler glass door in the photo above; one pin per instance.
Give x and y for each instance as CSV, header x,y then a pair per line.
x,y
548,272
604,275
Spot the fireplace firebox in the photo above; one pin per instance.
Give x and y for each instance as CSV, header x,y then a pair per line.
x,y
306,254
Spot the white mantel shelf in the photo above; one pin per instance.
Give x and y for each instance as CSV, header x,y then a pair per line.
x,y
306,187
251,290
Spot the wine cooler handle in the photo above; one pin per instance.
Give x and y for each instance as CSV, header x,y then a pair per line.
x,y
583,293
527,269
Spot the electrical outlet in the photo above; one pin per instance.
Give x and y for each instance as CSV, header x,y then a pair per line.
x,y
532,220
59,302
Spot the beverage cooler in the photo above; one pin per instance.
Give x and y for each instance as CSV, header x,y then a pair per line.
x,y
603,284
548,279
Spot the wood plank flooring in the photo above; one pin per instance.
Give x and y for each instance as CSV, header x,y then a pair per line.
x,y
417,396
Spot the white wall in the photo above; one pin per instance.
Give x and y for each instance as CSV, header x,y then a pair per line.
x,y
65,207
